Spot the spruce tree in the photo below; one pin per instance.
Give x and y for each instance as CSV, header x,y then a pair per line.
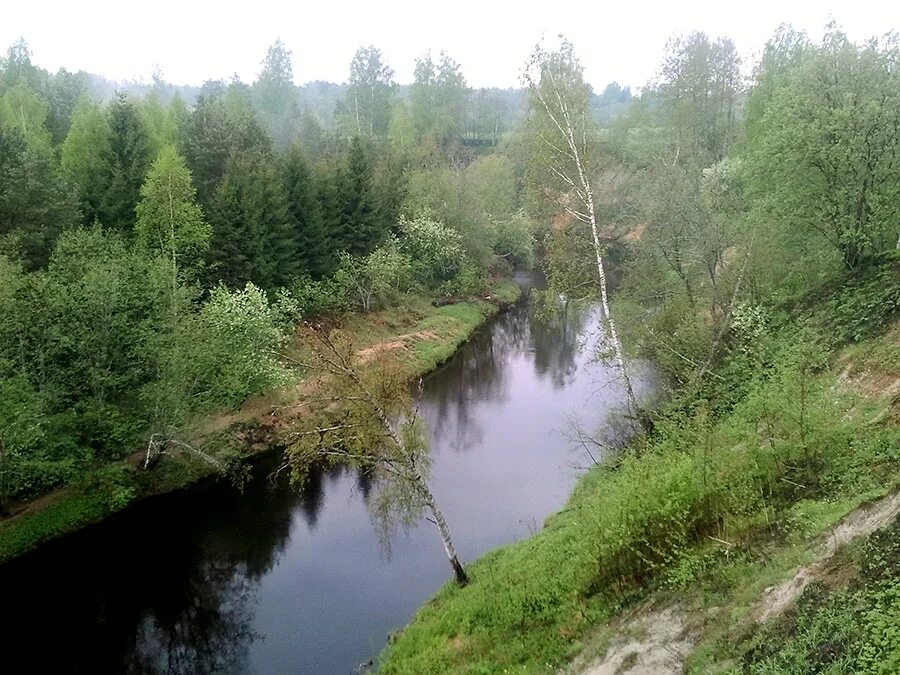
x,y
35,204
253,237
130,159
212,133
314,248
360,230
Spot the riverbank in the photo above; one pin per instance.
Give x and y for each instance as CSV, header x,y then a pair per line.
x,y
728,496
425,336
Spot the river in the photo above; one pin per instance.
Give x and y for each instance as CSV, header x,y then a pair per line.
x,y
272,581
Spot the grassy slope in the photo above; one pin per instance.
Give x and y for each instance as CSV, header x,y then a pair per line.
x,y
707,515
438,332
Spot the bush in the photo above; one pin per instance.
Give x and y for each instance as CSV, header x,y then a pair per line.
x,y
435,251
376,280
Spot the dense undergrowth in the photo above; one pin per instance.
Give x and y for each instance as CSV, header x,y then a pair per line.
x,y
767,453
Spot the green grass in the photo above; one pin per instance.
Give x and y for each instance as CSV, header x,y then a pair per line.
x,y
70,512
848,623
708,510
506,291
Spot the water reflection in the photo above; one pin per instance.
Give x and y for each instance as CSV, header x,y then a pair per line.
x,y
273,581
557,343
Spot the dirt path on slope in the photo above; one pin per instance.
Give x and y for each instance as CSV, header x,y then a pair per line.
x,y
657,641
654,642
861,522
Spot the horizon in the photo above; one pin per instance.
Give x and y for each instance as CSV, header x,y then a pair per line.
x,y
626,49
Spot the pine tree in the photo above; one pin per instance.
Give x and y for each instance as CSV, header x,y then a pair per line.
x,y
314,249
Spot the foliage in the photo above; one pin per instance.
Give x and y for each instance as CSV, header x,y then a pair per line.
x,y
825,151
657,517
35,204
435,252
376,280
126,165
854,630
169,220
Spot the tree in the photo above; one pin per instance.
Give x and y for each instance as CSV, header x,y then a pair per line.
x,y
826,153
159,121
275,95
565,145
700,91
369,93
35,204
360,227
212,134
169,220
253,238
130,158
368,422
438,98
23,109
64,92
315,253
84,158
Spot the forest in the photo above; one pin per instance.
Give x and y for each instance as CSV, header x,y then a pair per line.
x,y
155,256
159,246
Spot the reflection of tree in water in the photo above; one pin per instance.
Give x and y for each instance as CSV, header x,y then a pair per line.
x,y
205,624
168,587
477,373
556,343
205,630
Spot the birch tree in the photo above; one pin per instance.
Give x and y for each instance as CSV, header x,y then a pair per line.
x,y
364,419
169,220
566,147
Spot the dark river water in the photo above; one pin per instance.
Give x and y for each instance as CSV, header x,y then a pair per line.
x,y
273,581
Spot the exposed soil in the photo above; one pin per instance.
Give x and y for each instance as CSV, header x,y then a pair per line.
x,y
655,641
400,342
860,523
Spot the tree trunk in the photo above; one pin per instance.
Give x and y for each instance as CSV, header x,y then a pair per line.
x,y
458,570
640,414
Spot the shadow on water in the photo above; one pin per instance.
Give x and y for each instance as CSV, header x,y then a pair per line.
x,y
272,580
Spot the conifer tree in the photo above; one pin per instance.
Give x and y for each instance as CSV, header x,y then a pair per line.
x,y
214,132
360,229
130,158
34,203
314,249
253,239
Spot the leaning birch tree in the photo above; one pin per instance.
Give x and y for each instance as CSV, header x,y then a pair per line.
x,y
362,416
565,146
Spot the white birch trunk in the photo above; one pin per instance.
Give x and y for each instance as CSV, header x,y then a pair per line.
x,y
580,184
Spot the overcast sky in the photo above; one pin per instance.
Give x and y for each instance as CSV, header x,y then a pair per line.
x,y
193,40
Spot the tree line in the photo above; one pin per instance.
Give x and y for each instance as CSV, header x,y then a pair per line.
x,y
155,256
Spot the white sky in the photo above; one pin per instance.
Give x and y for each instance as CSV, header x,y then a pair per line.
x,y
195,40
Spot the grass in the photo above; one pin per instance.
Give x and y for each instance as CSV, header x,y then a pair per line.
x,y
708,511
439,330
846,623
